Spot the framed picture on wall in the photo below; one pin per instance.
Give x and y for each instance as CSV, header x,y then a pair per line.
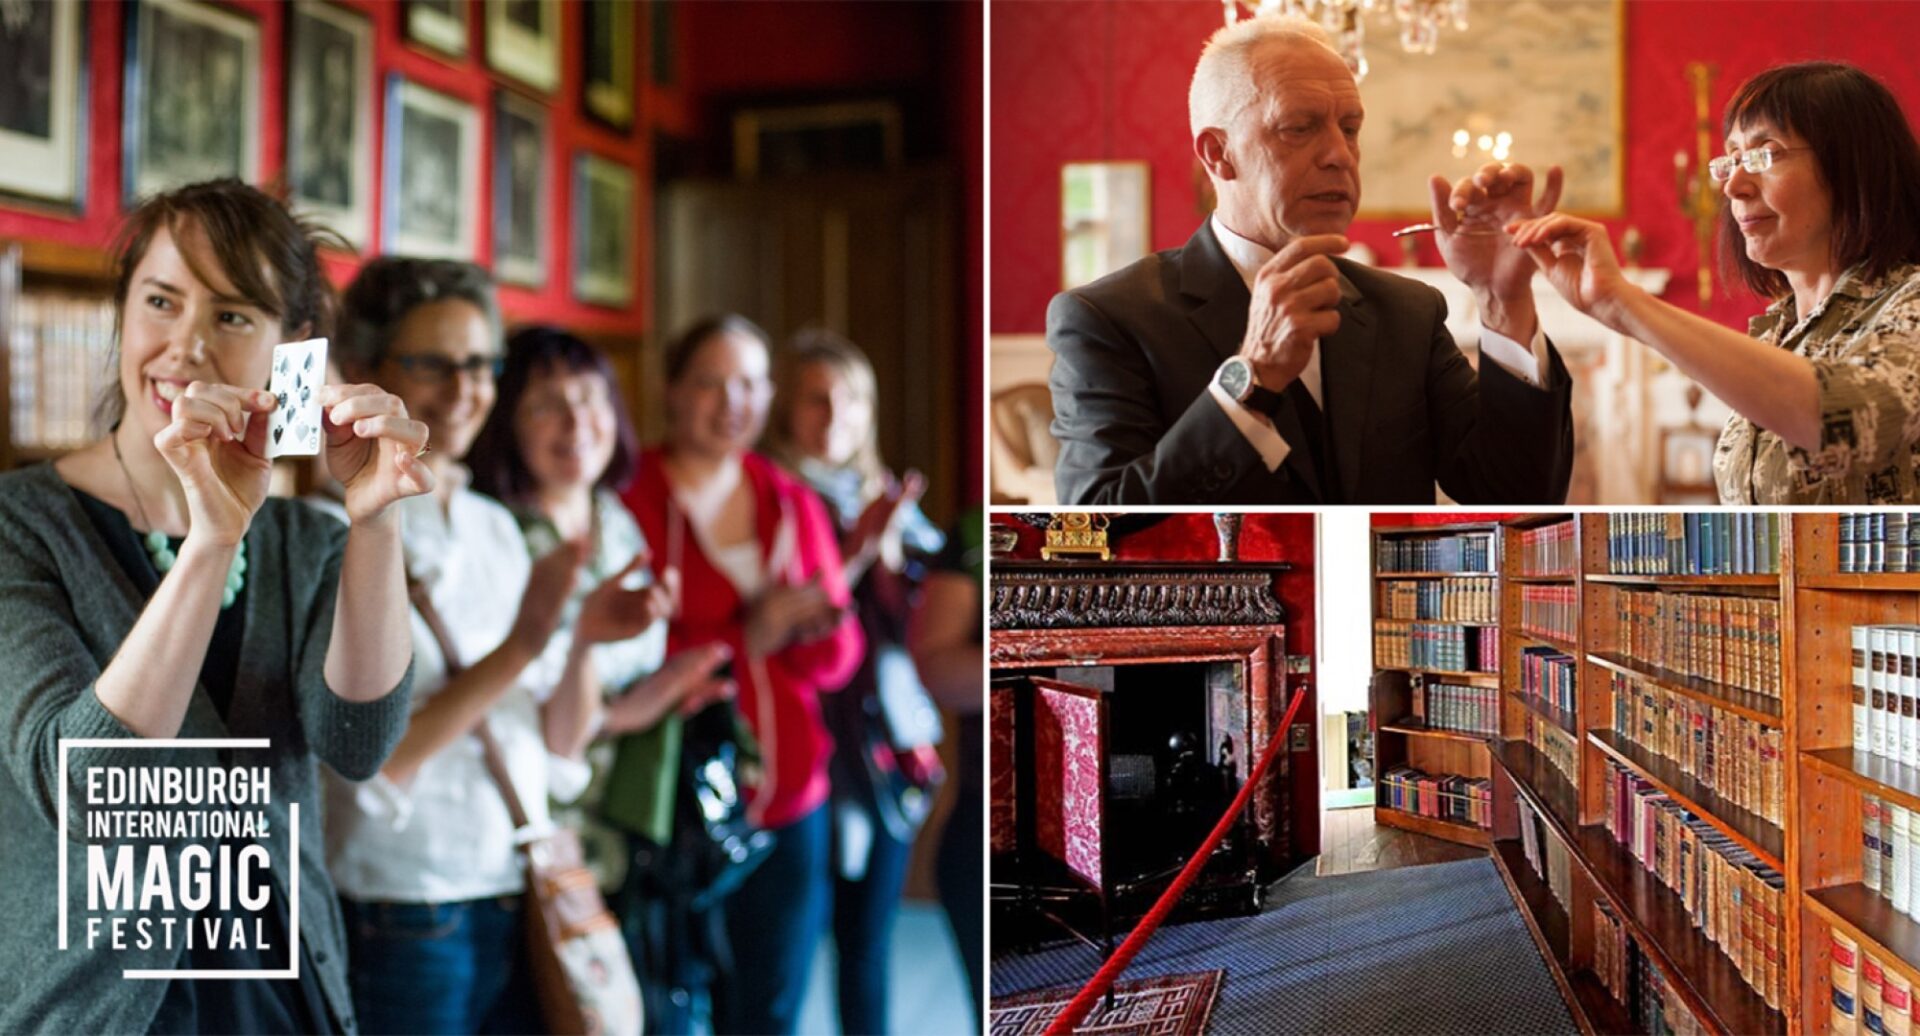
x,y
798,140
330,118
438,24
523,41
432,195
43,102
192,96
519,189
1453,113
607,62
603,211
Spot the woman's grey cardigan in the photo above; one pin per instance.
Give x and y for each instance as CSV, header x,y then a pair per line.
x,y
65,607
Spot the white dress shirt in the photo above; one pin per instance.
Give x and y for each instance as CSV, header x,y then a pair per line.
x,y
445,835
1529,364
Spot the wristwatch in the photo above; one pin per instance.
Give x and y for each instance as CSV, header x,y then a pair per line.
x,y
1235,378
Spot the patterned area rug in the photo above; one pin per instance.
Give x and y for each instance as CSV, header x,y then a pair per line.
x,y
1169,1005
1438,950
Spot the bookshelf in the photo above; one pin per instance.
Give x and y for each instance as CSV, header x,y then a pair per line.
x,y
1434,712
56,341
1554,765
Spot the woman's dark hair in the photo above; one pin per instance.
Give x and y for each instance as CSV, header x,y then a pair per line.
x,y
1864,152
680,351
390,287
270,256
499,469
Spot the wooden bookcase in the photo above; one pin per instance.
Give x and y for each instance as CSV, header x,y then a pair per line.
x,y
40,268
1818,847
1399,738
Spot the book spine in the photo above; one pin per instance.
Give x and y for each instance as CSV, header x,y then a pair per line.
x,y
1862,739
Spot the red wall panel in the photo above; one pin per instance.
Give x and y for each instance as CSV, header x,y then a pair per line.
x,y
467,79
1383,520
1078,81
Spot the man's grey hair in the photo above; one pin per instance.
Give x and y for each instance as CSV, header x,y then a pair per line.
x,y
1222,85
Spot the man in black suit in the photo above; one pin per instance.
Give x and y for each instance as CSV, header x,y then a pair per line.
x,y
1254,366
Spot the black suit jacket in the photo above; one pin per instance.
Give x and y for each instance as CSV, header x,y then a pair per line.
x,y
1135,351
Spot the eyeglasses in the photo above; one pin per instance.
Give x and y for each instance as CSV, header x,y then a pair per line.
x,y
1756,161
438,370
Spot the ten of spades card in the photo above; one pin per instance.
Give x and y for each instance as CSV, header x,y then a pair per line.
x,y
299,369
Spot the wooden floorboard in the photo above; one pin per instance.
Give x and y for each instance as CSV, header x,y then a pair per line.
x,y
1351,843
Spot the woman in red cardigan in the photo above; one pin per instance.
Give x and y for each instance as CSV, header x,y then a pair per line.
x,y
758,567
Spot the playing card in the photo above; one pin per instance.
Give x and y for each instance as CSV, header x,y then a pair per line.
x,y
299,369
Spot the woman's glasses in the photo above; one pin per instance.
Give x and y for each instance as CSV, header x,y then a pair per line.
x,y
1755,161
438,370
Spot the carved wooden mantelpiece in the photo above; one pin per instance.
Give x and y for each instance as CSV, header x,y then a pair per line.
x,y
1030,595
1259,650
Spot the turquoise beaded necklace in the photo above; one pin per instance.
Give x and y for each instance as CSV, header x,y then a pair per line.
x,y
160,549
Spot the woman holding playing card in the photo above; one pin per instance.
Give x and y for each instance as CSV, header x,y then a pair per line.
x,y
424,854
759,564
150,588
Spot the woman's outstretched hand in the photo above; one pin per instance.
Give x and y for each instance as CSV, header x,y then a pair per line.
x,y
1578,260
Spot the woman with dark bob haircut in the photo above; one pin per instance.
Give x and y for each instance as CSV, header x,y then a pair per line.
x,y
1822,186
557,450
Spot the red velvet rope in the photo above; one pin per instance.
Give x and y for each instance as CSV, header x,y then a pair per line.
x,y
1076,1012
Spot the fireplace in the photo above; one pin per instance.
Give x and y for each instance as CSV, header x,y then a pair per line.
x,y
1130,700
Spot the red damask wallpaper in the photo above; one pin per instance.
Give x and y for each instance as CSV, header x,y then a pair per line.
x,y
1003,793
1074,81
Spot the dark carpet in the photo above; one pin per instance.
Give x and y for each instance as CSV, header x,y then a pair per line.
x,y
1438,949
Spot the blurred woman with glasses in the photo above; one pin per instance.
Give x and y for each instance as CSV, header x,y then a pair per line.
x,y
424,853
1822,216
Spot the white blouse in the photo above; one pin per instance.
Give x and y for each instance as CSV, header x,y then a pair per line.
x,y
445,835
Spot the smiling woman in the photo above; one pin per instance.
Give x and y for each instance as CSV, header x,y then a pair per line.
x,y
1822,188
135,575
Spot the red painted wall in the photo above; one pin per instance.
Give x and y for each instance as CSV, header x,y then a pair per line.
x,y
1263,537
752,48
467,79
1384,520
1079,81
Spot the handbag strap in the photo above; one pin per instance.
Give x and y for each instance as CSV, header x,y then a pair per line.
x,y
490,749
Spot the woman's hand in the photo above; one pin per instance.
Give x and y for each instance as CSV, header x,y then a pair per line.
x,y
687,683
217,447
613,613
876,533
548,587
1578,260
372,448
786,613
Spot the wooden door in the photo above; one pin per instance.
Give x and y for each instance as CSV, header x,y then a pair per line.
x,y
871,256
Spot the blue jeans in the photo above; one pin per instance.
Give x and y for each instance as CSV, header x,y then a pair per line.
x,y
441,967
774,921
962,880
863,913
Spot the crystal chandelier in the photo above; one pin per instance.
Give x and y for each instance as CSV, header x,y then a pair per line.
x,y
1420,21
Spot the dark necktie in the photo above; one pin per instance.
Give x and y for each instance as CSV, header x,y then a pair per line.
x,y
1313,423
